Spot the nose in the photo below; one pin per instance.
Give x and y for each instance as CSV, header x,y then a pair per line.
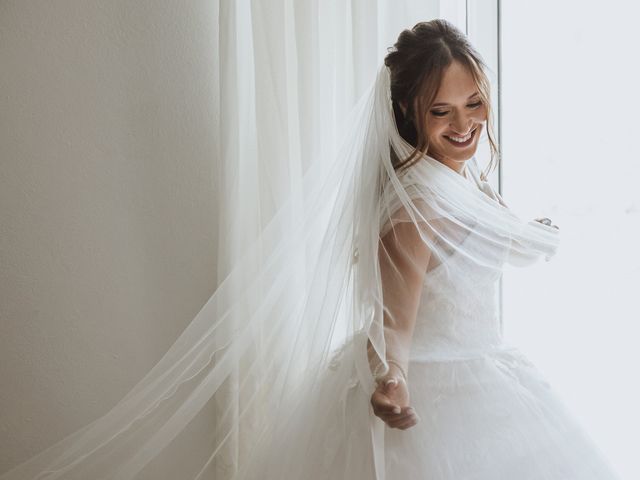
x,y
461,124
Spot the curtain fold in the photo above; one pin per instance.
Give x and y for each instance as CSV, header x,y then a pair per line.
x,y
290,72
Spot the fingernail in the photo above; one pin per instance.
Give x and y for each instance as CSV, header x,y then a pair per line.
x,y
396,410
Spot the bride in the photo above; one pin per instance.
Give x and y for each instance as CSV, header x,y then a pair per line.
x,y
359,337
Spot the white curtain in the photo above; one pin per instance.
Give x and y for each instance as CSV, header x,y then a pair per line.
x,y
289,72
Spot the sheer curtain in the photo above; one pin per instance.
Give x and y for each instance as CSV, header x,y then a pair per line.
x,y
570,119
289,73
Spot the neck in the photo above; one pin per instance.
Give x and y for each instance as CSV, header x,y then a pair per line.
x,y
455,165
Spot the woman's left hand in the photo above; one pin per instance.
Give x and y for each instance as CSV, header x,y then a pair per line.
x,y
546,221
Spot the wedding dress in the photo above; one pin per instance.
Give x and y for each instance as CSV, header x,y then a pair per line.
x,y
486,412
293,326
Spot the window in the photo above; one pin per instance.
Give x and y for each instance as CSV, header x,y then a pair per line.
x,y
569,123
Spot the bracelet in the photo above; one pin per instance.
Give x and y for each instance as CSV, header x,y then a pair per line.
x,y
397,364
378,375
376,371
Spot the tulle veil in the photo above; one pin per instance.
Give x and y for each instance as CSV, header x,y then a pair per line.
x,y
294,325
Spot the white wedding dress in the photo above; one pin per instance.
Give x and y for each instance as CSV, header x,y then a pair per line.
x,y
486,412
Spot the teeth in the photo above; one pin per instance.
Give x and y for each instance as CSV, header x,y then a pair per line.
x,y
461,139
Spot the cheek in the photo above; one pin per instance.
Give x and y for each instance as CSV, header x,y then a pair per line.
x,y
481,115
437,129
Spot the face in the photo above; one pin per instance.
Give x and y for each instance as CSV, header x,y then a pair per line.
x,y
456,111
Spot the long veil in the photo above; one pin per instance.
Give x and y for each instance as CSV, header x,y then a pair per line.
x,y
303,320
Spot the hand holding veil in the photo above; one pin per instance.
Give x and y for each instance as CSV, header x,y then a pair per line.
x,y
304,319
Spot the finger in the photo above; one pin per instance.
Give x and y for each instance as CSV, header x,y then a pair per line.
x,y
405,413
390,384
394,421
404,423
411,423
404,426
389,378
381,404
387,414
408,415
381,399
387,417
387,411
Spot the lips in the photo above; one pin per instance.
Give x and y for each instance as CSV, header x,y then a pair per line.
x,y
463,144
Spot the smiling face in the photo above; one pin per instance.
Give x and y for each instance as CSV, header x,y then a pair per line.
x,y
457,111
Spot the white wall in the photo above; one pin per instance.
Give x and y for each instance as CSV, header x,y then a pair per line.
x,y
107,203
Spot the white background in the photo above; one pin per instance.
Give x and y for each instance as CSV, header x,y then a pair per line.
x,y
570,119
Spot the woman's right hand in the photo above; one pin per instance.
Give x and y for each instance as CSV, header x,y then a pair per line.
x,y
390,402
546,221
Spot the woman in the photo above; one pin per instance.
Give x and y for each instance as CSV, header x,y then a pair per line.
x,y
450,399
359,336
473,407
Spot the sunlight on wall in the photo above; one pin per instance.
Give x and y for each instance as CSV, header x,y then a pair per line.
x,y
569,123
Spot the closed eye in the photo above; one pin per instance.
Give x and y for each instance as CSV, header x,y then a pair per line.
x,y
441,113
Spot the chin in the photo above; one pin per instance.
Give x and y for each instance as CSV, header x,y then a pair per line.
x,y
458,156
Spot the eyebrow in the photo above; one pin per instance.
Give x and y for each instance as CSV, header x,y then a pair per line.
x,y
441,103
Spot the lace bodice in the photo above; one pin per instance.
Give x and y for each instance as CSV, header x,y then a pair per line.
x,y
457,318
458,315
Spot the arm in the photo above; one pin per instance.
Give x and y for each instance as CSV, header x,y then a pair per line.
x,y
403,257
522,254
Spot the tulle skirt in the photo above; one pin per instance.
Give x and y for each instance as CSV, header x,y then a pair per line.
x,y
487,416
